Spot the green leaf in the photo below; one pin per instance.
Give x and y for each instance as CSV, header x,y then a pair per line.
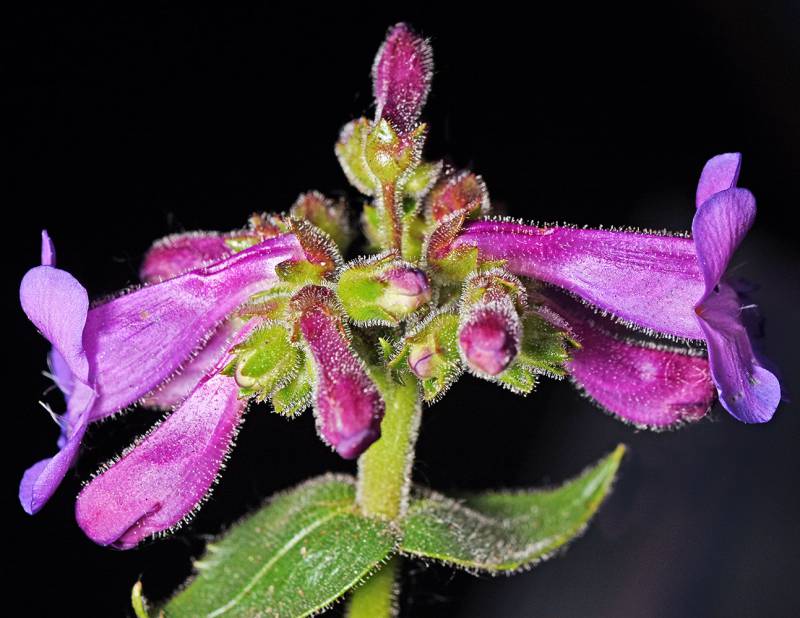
x,y
294,557
504,531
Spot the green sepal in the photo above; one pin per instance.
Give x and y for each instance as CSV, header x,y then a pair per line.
x,y
414,230
295,396
506,531
300,272
543,348
458,264
422,179
371,226
518,378
137,601
350,152
390,156
328,215
272,304
265,362
293,557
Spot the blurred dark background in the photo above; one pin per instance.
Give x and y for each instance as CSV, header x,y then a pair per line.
x,y
126,127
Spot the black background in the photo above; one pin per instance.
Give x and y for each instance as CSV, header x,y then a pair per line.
x,y
128,126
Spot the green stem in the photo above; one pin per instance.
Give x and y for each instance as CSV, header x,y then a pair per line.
x,y
377,598
384,471
391,216
384,480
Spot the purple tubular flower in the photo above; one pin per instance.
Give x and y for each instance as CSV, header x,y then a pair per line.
x,y
489,336
174,392
648,280
170,257
162,480
643,384
348,406
109,357
401,77
666,284
140,340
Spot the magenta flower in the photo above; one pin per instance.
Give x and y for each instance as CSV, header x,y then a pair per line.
x,y
273,312
669,285
110,356
648,385
348,406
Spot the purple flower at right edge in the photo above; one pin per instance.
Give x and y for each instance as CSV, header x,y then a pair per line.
x,y
663,284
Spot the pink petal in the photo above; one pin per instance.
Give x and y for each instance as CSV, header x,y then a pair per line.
x,y
176,254
57,304
644,385
719,174
648,280
48,250
161,481
174,392
138,341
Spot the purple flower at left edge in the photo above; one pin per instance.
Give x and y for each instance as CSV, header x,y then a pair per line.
x,y
665,284
164,478
112,355
62,323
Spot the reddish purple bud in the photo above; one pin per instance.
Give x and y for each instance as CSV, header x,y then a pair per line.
x,y
348,406
454,192
401,77
489,337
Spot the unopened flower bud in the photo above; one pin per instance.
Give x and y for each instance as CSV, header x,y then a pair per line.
x,y
406,290
347,404
383,289
490,329
431,353
456,192
489,338
401,77
329,216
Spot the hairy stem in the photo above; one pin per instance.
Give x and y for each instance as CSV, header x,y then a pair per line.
x,y
392,218
384,480
377,598
384,471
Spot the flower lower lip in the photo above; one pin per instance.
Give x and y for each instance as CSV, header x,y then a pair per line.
x,y
353,446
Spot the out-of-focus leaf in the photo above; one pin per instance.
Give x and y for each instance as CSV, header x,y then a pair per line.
x,y
503,531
